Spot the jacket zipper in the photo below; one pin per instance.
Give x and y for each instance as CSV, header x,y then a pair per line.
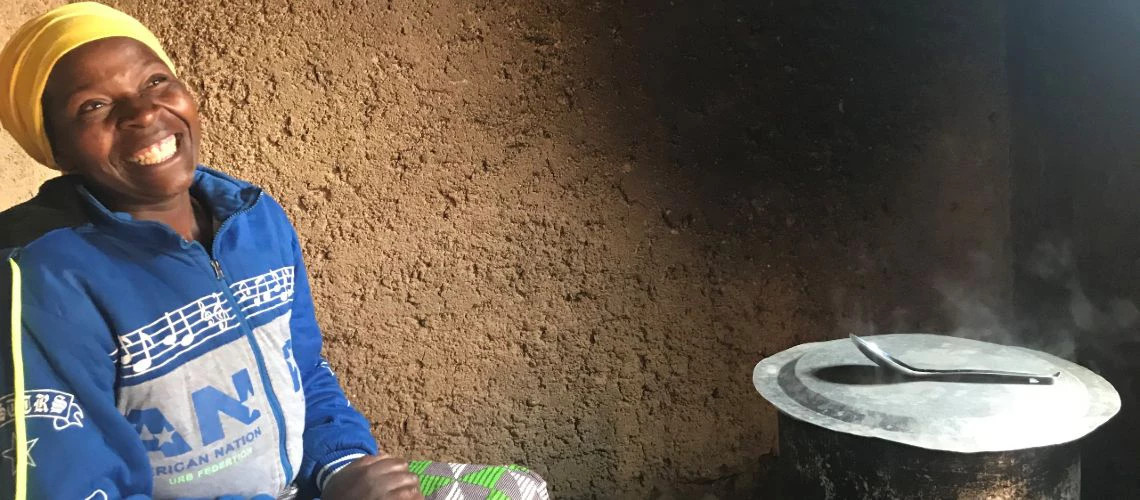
x,y
270,394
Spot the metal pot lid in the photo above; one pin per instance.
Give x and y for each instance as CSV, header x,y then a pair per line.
x,y
833,385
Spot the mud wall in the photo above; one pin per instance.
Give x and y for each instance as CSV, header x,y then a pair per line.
x,y
562,233
19,175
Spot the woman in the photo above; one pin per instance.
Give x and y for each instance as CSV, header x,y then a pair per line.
x,y
168,346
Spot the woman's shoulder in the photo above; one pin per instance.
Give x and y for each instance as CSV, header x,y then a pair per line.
x,y
219,184
56,206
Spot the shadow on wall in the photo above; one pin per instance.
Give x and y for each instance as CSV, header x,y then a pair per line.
x,y
562,234
751,190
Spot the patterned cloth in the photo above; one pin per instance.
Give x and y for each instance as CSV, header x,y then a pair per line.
x,y
444,481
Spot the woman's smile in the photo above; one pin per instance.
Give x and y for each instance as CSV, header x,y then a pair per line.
x,y
157,153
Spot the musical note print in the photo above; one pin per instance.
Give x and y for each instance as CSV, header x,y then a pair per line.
x,y
264,293
176,332
186,332
179,331
145,343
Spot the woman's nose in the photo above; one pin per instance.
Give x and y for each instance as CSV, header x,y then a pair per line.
x,y
138,112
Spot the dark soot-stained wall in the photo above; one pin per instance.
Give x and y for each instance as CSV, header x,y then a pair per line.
x,y
1075,80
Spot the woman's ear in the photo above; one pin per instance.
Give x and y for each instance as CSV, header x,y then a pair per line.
x,y
60,161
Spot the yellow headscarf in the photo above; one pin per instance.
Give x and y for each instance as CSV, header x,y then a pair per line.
x,y
29,56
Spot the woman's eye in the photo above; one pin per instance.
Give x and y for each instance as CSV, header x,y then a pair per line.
x,y
90,106
156,81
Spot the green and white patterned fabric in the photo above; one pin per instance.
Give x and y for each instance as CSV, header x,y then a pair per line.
x,y
444,481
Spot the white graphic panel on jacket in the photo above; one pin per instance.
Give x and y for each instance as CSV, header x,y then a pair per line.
x,y
207,427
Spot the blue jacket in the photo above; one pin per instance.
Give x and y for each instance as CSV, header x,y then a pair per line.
x,y
155,367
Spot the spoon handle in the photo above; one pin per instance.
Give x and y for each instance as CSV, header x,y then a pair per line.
x,y
885,360
982,376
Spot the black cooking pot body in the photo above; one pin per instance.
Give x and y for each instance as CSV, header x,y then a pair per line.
x,y
818,463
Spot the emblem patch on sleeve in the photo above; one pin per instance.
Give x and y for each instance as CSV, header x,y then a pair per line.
x,y
58,406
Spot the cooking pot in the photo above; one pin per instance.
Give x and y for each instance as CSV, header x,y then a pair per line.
x,y
850,429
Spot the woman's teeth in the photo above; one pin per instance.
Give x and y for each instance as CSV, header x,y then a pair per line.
x,y
157,153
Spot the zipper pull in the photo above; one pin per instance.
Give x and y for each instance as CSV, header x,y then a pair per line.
x,y
217,269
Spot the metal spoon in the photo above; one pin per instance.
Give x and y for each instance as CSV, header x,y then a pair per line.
x,y
885,360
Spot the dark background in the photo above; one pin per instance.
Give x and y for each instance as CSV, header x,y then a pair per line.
x,y
1075,86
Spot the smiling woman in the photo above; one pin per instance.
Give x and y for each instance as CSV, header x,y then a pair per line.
x,y
112,107
169,347
116,114
170,344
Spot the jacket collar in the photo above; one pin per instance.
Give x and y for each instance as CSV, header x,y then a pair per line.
x,y
224,195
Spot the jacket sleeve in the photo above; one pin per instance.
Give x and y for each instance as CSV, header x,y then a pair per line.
x,y
335,433
79,446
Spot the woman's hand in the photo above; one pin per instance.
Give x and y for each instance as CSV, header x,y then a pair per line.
x,y
381,477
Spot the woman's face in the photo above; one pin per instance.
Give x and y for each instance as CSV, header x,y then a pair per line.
x,y
117,116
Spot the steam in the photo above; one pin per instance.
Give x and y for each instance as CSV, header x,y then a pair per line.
x,y
1056,326
979,305
852,317
974,305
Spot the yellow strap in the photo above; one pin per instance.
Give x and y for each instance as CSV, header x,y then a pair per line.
x,y
21,439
